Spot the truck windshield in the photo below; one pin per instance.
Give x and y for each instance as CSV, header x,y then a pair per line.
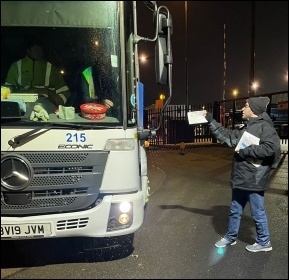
x,y
60,62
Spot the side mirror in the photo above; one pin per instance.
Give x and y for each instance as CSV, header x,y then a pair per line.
x,y
161,69
163,56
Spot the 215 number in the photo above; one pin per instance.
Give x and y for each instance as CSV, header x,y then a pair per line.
x,y
76,137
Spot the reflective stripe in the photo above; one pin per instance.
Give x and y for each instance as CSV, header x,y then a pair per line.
x,y
63,97
51,88
64,88
47,75
87,73
19,71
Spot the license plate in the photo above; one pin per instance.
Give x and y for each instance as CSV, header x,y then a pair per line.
x,y
25,230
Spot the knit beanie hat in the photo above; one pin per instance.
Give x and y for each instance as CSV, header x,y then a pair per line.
x,y
258,105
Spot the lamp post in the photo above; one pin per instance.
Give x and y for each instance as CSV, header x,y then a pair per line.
x,y
235,93
186,53
252,51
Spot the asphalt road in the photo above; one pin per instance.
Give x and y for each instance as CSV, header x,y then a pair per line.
x,y
187,213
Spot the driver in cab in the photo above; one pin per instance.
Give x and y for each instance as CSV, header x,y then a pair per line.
x,y
34,74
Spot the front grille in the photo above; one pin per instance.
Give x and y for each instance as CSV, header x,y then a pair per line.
x,y
72,224
55,157
63,170
40,203
61,192
61,182
55,180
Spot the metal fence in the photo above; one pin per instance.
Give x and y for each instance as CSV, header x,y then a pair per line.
x,y
175,128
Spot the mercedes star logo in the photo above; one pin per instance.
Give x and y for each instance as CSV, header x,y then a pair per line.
x,y
16,172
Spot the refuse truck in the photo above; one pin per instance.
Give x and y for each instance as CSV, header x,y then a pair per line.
x,y
77,167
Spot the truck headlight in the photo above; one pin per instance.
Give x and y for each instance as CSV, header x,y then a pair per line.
x,y
120,216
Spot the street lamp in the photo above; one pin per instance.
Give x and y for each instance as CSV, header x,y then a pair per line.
x,y
144,58
235,93
255,85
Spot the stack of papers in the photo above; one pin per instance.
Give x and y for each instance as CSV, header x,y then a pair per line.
x,y
246,140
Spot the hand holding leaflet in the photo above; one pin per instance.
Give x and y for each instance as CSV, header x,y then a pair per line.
x,y
246,140
196,117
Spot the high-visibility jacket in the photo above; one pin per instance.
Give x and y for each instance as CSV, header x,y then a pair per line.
x,y
27,73
96,86
100,85
87,74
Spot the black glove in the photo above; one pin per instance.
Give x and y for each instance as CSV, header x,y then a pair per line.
x,y
241,153
209,117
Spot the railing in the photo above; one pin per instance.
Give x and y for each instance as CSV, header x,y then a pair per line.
x,y
175,128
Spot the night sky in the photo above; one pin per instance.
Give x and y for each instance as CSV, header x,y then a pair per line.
x,y
205,53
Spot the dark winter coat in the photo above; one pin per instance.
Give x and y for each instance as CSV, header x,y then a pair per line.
x,y
105,88
245,175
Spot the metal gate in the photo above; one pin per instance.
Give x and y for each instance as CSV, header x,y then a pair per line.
x,y
176,129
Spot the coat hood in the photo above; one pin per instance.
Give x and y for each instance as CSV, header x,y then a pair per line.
x,y
264,116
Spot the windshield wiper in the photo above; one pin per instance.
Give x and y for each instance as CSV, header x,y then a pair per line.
x,y
17,140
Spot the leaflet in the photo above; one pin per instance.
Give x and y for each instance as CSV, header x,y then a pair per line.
x,y
196,117
246,140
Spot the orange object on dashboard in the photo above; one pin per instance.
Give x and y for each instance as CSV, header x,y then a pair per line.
x,y
93,111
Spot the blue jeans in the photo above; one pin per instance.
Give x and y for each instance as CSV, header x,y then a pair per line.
x,y
256,201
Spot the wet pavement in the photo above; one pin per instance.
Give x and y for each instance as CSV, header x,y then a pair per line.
x,y
186,214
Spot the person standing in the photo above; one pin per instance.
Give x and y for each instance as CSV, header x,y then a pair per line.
x,y
249,181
